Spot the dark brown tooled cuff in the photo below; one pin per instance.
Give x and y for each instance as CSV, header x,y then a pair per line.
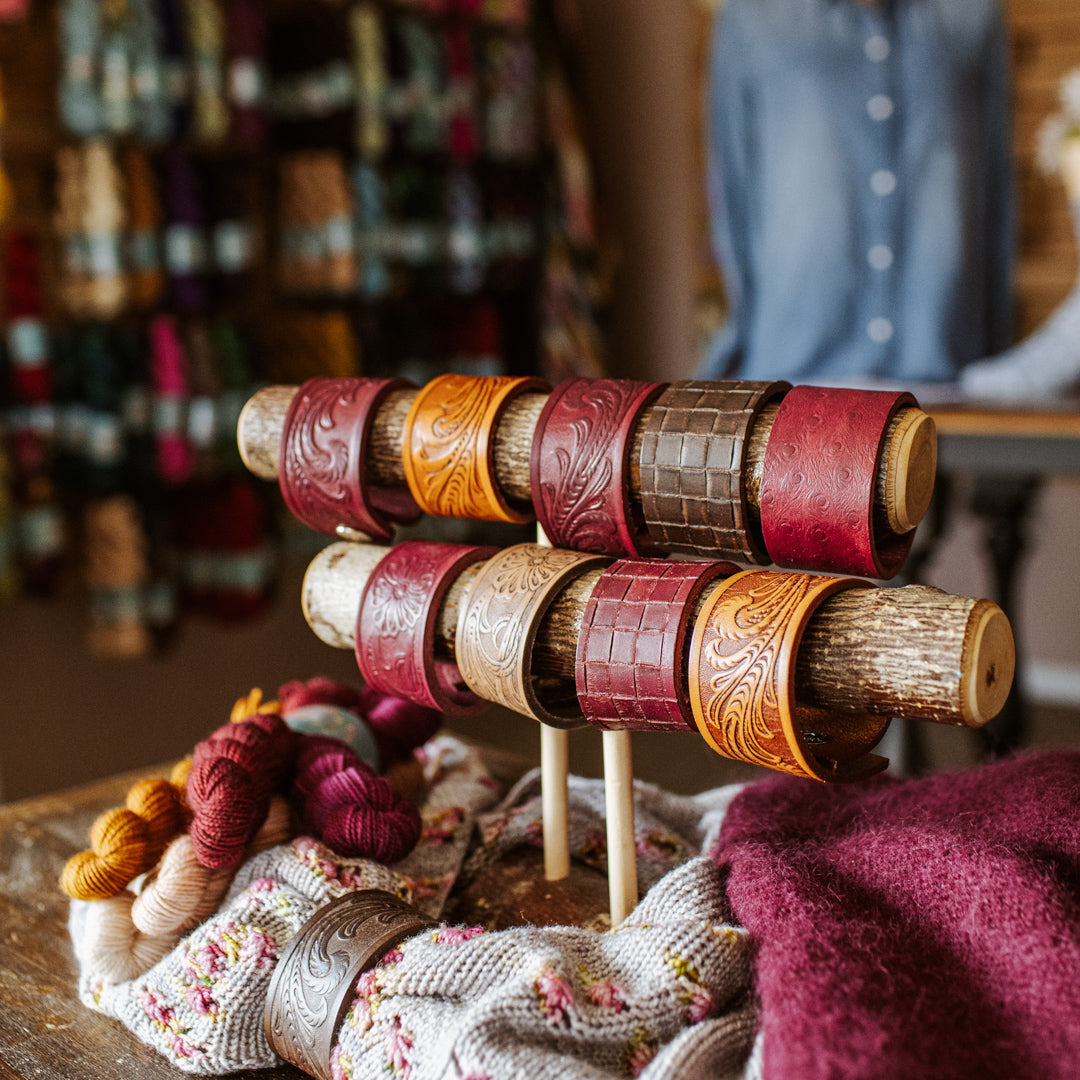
x,y
580,468
323,451
395,626
313,983
817,483
631,665
693,468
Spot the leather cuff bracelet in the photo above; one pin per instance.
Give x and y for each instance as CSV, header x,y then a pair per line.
x,y
693,458
448,445
817,485
395,626
313,983
742,680
498,622
323,451
631,669
580,468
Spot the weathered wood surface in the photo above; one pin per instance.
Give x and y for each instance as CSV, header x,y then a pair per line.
x,y
45,1031
915,652
903,483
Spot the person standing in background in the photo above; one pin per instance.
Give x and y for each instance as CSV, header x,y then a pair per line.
x,y
862,188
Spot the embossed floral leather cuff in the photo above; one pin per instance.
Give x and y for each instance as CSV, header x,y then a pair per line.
x,y
742,680
817,484
313,983
631,669
580,469
448,446
323,451
498,622
693,468
395,626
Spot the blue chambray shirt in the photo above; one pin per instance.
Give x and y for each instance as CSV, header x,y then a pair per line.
x,y
862,188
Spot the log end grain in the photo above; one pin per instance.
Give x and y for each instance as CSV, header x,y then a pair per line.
x,y
988,665
330,593
910,469
260,428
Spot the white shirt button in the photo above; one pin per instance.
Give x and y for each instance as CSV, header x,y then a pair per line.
x,y
880,257
880,107
883,182
877,49
879,330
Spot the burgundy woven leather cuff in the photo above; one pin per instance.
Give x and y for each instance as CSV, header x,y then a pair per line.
x,y
693,468
395,626
323,451
580,467
817,485
631,665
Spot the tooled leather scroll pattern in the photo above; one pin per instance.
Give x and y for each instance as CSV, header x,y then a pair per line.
x,y
395,627
817,487
581,486
310,989
748,632
496,627
449,433
318,466
395,603
631,663
692,468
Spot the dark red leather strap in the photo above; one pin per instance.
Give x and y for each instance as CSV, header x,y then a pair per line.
x,y
322,457
631,666
693,468
817,485
580,465
395,626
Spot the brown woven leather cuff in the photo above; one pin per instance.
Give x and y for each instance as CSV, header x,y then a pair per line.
x,y
631,669
693,468
322,457
314,981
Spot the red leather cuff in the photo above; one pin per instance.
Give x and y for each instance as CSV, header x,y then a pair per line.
x,y
580,465
631,664
395,626
323,451
817,485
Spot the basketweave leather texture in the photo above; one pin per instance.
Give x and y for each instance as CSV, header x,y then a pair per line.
x,y
693,457
631,669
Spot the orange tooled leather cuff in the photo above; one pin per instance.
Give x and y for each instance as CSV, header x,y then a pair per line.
x,y
448,443
742,680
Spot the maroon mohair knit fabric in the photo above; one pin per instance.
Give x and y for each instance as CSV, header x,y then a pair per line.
x,y
914,928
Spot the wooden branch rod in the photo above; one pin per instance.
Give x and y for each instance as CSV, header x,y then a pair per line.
x,y
915,652
903,485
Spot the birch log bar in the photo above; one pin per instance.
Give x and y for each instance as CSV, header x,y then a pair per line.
x,y
914,652
902,491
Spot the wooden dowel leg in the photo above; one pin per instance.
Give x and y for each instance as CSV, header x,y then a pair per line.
x,y
554,788
555,801
619,805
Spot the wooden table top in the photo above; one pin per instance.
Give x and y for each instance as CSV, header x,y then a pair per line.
x,y
45,1031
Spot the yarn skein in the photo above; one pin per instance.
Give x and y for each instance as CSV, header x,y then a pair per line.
x,y
343,803
233,774
125,842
